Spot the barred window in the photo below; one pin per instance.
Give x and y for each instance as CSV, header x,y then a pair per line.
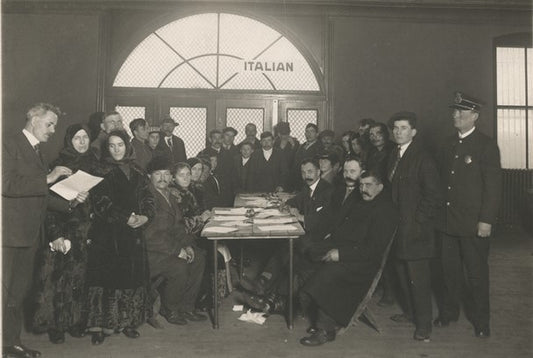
x,y
514,102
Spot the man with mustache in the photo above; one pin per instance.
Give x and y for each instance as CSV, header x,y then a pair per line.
x,y
172,253
310,207
351,253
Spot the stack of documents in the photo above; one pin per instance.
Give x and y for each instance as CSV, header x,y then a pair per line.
x,y
278,228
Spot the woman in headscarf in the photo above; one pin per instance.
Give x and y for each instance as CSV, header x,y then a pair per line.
x,y
60,284
117,273
193,215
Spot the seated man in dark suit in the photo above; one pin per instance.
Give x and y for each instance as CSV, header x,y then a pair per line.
x,y
310,207
352,254
268,169
171,251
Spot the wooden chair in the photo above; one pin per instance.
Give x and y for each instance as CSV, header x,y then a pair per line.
x,y
363,312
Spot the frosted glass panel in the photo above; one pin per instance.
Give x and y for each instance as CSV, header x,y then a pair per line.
x,y
511,74
192,127
512,138
130,113
298,119
238,118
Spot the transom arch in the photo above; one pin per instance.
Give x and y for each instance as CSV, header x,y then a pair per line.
x,y
220,51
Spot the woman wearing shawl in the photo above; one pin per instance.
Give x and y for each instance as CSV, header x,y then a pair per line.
x,y
117,273
60,284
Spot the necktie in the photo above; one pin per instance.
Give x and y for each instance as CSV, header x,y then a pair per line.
x,y
37,149
395,166
349,190
169,142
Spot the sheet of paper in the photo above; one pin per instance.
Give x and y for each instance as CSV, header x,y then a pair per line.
x,y
270,212
253,317
230,211
278,220
235,223
229,218
220,229
259,203
278,228
80,181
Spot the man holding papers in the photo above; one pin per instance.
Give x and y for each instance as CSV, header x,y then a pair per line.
x,y
25,180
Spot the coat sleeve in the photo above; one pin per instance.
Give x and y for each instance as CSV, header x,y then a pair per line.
x,y
491,175
380,230
429,180
104,208
146,199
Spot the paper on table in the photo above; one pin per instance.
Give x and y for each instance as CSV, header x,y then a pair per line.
x,y
230,211
235,223
229,218
80,181
278,220
220,229
278,228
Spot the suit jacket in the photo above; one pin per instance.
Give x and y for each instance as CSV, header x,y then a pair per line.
x,y
24,192
314,208
265,175
378,160
177,153
143,153
216,194
416,191
166,234
301,154
240,175
361,239
472,178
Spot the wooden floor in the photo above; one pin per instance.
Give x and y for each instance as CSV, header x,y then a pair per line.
x,y
511,264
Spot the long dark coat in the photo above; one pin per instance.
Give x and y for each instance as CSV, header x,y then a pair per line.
x,y
266,175
416,191
472,180
60,292
240,175
361,239
117,253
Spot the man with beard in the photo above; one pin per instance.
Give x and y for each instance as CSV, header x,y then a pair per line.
x,y
351,253
172,253
170,145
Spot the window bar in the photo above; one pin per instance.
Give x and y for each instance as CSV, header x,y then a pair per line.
x,y
527,110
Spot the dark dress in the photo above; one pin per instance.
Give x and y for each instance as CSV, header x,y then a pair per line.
x,y
60,291
118,268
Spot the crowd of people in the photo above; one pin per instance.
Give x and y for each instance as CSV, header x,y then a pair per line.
x,y
100,258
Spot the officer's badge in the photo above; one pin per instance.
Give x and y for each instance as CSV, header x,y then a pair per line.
x,y
468,159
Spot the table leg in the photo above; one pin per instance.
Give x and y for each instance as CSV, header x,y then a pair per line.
x,y
215,284
291,276
241,264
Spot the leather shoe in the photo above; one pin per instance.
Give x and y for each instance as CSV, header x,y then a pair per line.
x,y
56,337
424,337
193,316
318,338
131,332
482,332
19,351
97,338
174,318
77,332
401,318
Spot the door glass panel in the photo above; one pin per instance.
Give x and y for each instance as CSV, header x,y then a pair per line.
x,y
512,138
238,118
298,119
192,127
130,113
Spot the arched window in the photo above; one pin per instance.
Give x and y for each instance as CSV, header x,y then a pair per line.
x,y
217,51
196,69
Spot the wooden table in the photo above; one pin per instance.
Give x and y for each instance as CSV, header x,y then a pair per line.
x,y
250,232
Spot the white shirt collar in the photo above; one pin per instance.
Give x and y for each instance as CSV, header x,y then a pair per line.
x,y
267,153
31,138
404,147
464,135
312,187
245,160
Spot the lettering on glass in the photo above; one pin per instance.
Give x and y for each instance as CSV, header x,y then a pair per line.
x,y
259,66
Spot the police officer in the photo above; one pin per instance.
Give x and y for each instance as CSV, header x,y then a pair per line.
x,y
471,172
